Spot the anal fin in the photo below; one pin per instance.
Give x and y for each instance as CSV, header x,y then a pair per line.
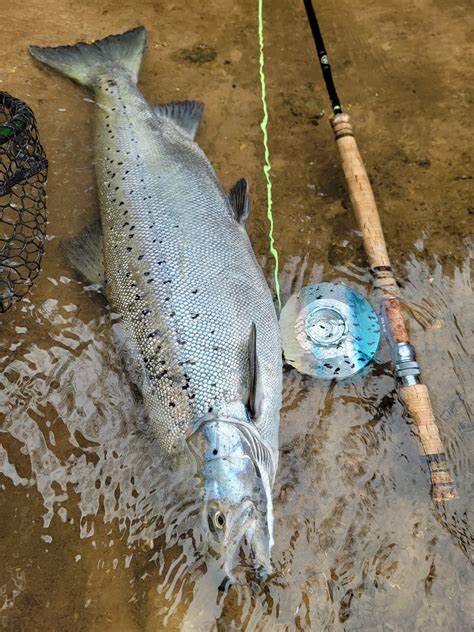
x,y
85,254
185,114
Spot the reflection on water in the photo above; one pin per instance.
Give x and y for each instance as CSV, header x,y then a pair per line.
x,y
96,532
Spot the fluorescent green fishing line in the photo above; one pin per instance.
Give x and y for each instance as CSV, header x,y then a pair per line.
x,y
267,166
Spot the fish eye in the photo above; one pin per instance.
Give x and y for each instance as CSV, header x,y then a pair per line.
x,y
219,519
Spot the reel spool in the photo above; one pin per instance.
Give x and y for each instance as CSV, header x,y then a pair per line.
x,y
23,217
329,331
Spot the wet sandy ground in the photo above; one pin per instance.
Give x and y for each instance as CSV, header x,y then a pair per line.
x,y
358,544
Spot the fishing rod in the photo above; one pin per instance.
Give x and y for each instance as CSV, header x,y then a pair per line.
x,y
414,394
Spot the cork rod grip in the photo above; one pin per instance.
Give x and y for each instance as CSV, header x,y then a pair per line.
x,y
360,191
417,401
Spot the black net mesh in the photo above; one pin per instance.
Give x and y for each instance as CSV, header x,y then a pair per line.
x,y
23,170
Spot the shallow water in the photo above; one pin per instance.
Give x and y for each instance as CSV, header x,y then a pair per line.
x,y
359,545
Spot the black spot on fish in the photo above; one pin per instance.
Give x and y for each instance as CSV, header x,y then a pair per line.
x,y
214,451
172,404
129,248
194,316
194,291
140,257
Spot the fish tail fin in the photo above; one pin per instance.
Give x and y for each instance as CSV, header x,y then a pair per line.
x,y
87,63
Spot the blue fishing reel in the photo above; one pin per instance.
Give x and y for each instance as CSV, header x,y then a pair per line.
x,y
329,331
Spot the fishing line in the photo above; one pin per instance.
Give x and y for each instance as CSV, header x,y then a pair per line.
x,y
267,166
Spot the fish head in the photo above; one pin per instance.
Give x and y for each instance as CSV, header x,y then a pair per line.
x,y
237,504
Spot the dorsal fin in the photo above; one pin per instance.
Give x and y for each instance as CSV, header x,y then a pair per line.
x,y
252,351
240,200
84,252
186,114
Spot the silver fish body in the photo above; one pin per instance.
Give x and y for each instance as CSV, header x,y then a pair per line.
x,y
181,273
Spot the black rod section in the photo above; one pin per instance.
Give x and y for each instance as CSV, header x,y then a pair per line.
x,y
323,57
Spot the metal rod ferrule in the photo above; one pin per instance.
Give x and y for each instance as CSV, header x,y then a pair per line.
x,y
407,369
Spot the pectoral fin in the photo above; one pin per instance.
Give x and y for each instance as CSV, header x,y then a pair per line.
x,y
253,370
